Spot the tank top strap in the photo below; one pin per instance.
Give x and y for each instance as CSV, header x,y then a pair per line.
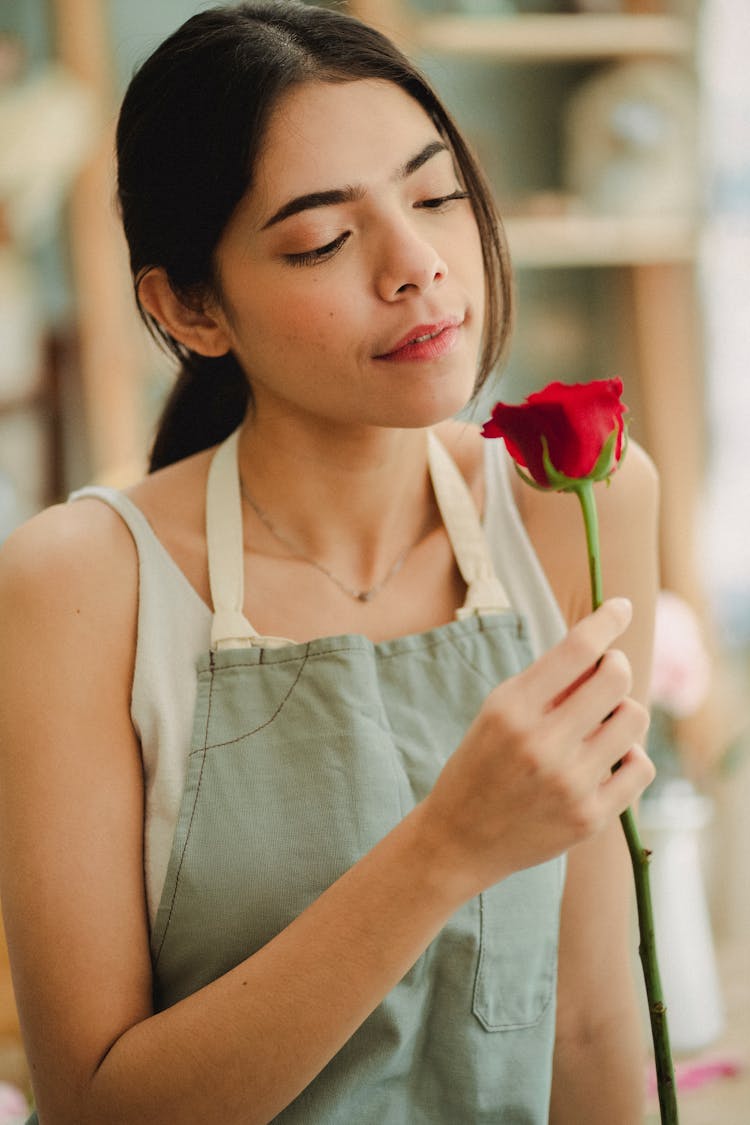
x,y
231,629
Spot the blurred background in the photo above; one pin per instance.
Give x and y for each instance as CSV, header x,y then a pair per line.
x,y
617,136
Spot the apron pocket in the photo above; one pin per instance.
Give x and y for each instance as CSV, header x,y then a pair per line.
x,y
518,938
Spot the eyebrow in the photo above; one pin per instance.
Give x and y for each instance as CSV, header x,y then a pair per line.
x,y
350,194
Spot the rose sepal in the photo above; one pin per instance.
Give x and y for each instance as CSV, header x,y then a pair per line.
x,y
607,462
559,482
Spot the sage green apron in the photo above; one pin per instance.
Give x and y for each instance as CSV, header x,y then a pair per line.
x,y
303,757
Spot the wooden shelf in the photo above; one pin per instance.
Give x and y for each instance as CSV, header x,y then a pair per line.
x,y
569,38
592,240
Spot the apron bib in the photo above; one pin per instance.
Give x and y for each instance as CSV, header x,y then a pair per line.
x,y
303,757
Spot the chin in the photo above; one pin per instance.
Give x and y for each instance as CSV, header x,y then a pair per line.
x,y
428,413
448,402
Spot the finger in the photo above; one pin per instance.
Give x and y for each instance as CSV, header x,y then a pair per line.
x,y
610,742
579,712
623,787
574,659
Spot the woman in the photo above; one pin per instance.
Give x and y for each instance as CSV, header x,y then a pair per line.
x,y
342,898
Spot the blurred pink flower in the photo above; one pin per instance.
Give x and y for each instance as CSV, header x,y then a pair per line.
x,y
14,1108
681,669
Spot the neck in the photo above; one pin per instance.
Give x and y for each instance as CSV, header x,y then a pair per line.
x,y
351,500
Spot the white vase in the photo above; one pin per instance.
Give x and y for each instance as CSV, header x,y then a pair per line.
x,y
671,825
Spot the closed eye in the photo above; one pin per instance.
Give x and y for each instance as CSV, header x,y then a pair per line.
x,y
441,201
323,253
319,254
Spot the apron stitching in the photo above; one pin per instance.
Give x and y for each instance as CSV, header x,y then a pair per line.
x,y
233,741
477,670
504,623
482,952
249,662
192,818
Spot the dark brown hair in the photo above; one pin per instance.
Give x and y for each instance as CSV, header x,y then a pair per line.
x,y
189,133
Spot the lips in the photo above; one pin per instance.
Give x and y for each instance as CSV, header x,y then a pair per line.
x,y
425,340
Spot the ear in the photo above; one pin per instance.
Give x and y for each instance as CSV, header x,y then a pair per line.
x,y
201,330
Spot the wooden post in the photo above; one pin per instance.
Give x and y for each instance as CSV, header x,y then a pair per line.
x,y
669,348
110,338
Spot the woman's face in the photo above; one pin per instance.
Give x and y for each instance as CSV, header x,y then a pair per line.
x,y
351,274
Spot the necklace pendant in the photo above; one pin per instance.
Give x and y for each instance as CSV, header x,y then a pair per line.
x,y
358,595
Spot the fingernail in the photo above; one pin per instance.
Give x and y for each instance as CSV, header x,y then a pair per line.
x,y
623,606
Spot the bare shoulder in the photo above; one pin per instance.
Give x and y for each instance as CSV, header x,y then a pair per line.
x,y
630,494
71,563
84,552
628,514
65,540
627,507
633,489
634,483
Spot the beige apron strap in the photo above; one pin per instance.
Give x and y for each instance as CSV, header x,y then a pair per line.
x,y
230,627
226,572
485,593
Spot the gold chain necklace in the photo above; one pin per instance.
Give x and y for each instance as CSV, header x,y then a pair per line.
x,y
358,595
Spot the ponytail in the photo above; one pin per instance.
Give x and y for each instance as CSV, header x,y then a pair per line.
x,y
206,404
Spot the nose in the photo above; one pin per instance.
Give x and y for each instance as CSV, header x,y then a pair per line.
x,y
407,263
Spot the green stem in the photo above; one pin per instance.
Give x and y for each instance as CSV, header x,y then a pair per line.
x,y
639,858
585,494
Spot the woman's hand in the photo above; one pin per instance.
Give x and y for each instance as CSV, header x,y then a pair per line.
x,y
533,776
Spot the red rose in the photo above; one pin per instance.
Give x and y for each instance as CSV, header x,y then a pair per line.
x,y
566,438
565,433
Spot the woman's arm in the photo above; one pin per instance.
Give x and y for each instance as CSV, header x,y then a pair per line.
x,y
599,1059
523,785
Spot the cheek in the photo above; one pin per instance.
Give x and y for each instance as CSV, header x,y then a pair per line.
x,y
300,331
292,314
314,324
323,321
